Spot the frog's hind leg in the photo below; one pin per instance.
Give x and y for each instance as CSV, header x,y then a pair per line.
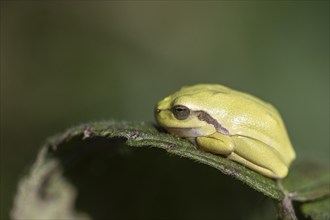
x,y
259,157
259,169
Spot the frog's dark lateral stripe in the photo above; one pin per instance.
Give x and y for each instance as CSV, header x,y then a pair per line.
x,y
204,116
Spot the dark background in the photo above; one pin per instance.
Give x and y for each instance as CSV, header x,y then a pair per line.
x,y
64,63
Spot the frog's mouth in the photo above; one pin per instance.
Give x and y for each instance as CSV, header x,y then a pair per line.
x,y
185,132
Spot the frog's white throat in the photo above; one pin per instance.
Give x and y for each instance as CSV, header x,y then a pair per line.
x,y
186,132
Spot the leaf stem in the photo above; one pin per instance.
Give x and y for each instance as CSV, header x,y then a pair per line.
x,y
285,208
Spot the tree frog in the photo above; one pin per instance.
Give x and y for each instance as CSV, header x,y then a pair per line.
x,y
230,123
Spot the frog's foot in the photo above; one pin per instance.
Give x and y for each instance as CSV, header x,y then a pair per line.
x,y
216,143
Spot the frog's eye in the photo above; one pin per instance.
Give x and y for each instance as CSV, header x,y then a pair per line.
x,y
180,112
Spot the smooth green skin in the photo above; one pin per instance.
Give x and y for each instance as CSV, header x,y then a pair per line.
x,y
252,132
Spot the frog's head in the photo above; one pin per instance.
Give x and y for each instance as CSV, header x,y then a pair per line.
x,y
182,114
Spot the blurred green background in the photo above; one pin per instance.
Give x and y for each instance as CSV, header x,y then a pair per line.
x,y
65,63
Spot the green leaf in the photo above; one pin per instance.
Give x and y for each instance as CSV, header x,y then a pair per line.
x,y
307,181
144,134
319,209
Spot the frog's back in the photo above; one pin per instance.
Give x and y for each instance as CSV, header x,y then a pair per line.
x,y
243,115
